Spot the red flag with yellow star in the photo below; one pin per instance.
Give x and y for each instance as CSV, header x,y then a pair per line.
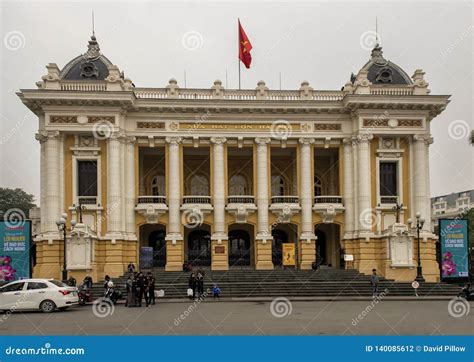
x,y
244,47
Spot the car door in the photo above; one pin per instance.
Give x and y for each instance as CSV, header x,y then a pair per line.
x,y
36,292
11,295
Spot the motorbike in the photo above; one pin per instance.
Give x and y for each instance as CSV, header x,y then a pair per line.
x,y
112,295
84,293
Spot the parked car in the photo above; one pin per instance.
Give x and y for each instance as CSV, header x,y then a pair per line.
x,y
46,295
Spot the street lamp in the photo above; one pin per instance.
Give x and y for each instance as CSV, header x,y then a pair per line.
x,y
419,226
61,223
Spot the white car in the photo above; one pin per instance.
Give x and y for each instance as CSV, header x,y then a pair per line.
x,y
46,295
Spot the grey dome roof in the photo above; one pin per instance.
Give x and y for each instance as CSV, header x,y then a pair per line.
x,y
90,65
382,71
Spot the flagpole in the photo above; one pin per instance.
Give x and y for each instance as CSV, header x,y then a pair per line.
x,y
238,48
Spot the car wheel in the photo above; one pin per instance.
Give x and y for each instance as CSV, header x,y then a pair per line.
x,y
47,306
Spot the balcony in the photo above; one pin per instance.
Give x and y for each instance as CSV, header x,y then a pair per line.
x,y
284,207
197,204
388,200
241,206
87,200
151,207
328,207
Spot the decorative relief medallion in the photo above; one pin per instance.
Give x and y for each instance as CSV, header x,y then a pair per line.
x,y
392,122
63,119
410,123
95,119
327,127
150,125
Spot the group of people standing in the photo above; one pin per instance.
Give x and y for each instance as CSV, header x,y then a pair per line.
x,y
140,286
196,284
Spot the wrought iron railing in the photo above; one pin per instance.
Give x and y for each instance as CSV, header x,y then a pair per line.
x,y
196,200
152,199
328,200
285,199
244,199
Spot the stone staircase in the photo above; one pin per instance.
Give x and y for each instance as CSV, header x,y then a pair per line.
x,y
326,282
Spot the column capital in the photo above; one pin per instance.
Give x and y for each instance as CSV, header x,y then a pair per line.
x,y
306,140
44,136
218,140
364,137
130,139
426,138
261,141
174,140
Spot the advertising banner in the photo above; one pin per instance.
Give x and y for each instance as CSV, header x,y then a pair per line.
x,y
288,254
453,237
15,250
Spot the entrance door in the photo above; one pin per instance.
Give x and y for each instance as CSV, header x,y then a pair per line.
x,y
199,248
321,257
239,247
157,241
279,237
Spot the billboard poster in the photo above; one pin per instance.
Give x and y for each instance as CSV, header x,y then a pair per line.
x,y
15,250
288,254
453,237
146,257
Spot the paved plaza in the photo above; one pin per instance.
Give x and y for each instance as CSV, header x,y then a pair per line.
x,y
387,317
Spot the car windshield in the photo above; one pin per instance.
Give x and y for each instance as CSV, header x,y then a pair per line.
x,y
58,283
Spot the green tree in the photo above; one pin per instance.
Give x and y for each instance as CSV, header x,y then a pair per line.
x,y
15,199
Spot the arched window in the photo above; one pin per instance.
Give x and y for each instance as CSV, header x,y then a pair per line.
x,y
238,185
318,186
278,185
199,185
158,186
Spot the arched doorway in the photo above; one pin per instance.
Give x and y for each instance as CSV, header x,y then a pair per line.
x,y
239,248
279,237
157,241
321,250
199,248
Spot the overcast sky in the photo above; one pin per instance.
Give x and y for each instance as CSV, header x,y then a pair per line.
x,y
322,42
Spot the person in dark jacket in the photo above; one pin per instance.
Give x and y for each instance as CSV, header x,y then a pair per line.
x,y
192,285
139,289
151,288
374,280
200,282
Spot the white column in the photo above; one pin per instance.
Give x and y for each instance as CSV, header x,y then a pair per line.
x,y
421,178
348,189
306,191
262,189
174,189
114,187
130,186
365,211
52,182
218,172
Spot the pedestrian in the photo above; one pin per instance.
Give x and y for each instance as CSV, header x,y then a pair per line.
x,y
130,301
139,289
72,281
374,281
200,281
106,282
216,291
131,268
192,285
151,288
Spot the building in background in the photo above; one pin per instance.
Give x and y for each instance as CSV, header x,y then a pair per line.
x,y
455,205
223,177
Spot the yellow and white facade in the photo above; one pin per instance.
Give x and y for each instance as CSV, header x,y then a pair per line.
x,y
223,177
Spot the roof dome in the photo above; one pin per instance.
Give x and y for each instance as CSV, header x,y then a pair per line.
x,y
91,65
382,71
